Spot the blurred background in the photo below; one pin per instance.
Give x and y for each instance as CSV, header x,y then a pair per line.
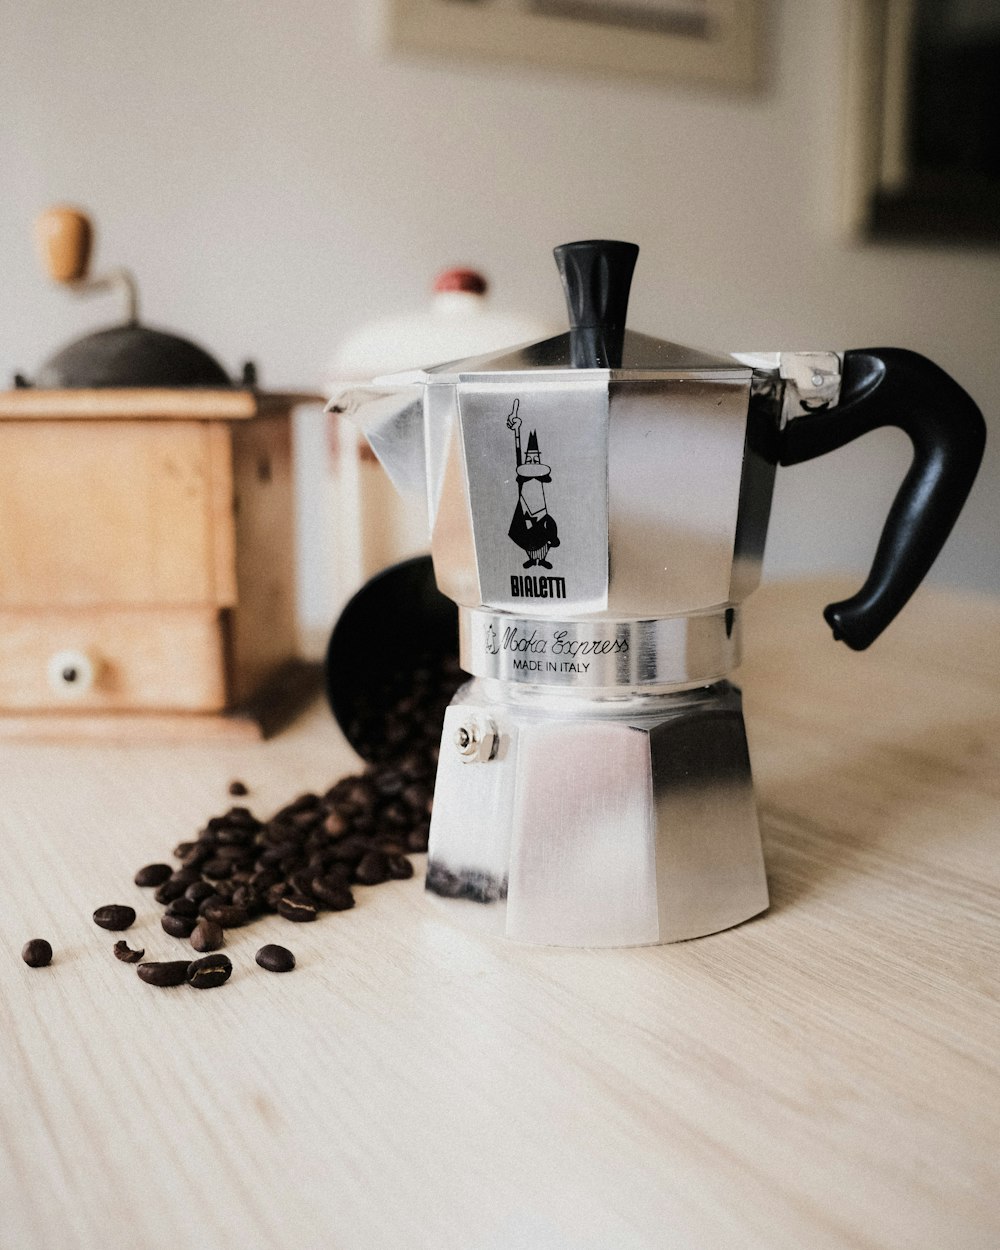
x,y
277,176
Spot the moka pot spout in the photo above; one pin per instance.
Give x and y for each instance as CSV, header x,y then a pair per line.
x,y
390,414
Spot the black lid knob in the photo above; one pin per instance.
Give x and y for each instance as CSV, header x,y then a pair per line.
x,y
596,276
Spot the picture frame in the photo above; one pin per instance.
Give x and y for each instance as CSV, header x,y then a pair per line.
x,y
714,42
921,140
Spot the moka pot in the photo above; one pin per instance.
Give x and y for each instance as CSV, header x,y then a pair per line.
x,y
598,504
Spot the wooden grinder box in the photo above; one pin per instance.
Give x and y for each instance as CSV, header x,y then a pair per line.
x,y
147,582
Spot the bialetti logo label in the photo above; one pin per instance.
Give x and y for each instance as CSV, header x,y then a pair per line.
x,y
524,586
532,528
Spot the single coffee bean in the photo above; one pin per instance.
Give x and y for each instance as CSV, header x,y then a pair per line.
x,y
185,876
174,972
301,883
400,868
114,916
294,908
183,907
168,891
212,900
207,936
372,869
178,926
37,953
126,954
199,891
183,848
334,894
416,841
276,893
207,973
153,874
275,958
238,788
217,868
228,916
246,896
195,858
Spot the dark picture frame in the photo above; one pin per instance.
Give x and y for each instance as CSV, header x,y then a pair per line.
x,y
923,121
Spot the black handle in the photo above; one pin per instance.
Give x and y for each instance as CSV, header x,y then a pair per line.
x,y
596,276
892,386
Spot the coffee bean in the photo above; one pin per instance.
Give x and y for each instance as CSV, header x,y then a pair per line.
x,y
37,953
217,869
294,908
213,900
400,868
225,914
168,891
238,788
246,896
207,973
183,848
178,926
207,936
372,869
173,972
333,893
126,954
183,907
185,876
416,841
199,891
301,882
153,874
276,893
114,916
275,958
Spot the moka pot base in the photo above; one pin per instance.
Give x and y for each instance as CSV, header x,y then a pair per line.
x,y
567,819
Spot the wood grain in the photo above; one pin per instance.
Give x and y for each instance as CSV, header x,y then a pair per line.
x,y
153,658
147,402
264,632
105,512
825,1077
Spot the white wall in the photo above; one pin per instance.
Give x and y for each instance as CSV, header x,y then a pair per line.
x,y
273,181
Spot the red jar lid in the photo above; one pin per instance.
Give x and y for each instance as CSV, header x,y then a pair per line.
x,y
461,280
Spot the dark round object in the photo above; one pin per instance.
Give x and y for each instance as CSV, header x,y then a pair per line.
x,y
275,958
115,916
396,622
131,355
178,926
209,972
153,875
173,972
37,953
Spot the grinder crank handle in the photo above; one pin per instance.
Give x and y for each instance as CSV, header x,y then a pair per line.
x,y
891,386
64,237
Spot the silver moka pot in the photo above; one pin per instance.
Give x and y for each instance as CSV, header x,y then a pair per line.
x,y
598,504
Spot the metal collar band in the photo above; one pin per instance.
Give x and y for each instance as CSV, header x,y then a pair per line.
x,y
598,654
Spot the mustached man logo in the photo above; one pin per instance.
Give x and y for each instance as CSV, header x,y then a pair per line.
x,y
532,527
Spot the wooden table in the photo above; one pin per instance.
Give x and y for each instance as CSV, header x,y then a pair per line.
x,y
824,1076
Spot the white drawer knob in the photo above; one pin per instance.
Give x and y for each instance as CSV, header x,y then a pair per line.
x,y
71,673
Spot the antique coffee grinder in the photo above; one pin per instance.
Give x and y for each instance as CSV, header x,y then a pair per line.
x,y
598,504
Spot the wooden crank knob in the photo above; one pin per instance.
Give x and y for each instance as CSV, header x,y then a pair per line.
x,y
64,236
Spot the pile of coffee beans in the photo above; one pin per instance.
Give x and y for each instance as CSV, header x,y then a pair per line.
x,y
307,857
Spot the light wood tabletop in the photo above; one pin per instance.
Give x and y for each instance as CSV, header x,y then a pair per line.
x,y
827,1075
